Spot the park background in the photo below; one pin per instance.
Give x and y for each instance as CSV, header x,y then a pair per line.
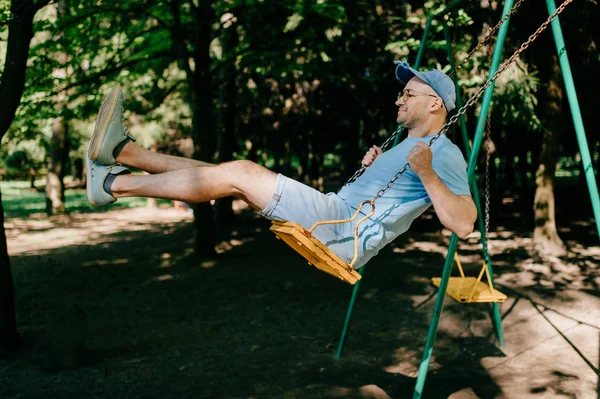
x,y
140,299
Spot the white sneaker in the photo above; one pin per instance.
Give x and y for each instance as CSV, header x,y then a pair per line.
x,y
109,131
96,176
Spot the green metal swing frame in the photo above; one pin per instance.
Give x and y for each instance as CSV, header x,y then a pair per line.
x,y
472,154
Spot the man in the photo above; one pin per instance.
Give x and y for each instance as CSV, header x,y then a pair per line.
x,y
437,175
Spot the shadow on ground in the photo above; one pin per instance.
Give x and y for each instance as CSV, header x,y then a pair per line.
x,y
125,310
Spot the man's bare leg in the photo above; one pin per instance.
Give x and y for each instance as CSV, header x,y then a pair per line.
x,y
243,179
173,178
154,162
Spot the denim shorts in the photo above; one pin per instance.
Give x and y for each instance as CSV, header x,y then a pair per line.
x,y
296,202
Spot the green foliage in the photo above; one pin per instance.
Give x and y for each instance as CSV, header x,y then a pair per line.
x,y
313,79
516,94
19,162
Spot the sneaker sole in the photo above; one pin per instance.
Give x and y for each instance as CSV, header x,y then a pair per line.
x,y
88,182
104,118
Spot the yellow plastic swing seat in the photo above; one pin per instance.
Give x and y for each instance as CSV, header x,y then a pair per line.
x,y
461,289
471,289
317,254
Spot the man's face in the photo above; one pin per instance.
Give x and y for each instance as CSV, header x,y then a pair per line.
x,y
414,104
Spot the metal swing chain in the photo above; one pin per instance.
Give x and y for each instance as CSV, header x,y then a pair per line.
x,y
362,169
488,154
487,38
475,97
487,184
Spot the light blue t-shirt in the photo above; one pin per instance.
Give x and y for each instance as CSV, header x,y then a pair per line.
x,y
403,202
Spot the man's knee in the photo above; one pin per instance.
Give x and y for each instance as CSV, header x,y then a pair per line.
x,y
242,164
251,182
244,167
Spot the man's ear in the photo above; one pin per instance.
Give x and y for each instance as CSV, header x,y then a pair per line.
x,y
437,104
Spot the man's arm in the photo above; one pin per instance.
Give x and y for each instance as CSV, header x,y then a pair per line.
x,y
456,212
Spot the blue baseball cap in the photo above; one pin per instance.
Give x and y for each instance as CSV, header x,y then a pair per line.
x,y
437,80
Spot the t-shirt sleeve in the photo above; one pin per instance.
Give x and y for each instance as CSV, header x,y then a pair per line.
x,y
451,168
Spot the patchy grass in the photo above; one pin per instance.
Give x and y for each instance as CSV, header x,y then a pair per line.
x,y
20,200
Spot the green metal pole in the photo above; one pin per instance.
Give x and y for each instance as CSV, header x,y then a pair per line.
x,y
497,320
396,141
340,347
423,41
430,19
586,159
435,318
439,303
459,100
481,125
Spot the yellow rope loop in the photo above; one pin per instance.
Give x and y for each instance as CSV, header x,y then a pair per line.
x,y
370,202
460,269
484,269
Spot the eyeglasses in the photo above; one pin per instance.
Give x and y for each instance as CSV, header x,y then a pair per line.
x,y
407,93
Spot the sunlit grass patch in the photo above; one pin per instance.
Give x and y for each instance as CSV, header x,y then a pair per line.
x,y
20,200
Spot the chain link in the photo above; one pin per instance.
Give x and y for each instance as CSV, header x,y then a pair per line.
x,y
464,108
362,169
487,38
488,154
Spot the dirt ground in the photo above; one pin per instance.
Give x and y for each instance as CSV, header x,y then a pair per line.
x,y
116,305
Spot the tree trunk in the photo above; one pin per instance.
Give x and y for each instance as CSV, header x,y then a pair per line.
x,y
9,337
32,178
77,172
20,32
227,115
203,128
59,151
545,236
152,203
201,104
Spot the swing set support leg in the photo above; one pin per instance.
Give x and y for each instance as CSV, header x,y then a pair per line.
x,y
435,319
340,348
496,318
584,150
439,303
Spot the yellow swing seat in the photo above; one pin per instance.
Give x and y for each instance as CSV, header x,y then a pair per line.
x,y
471,289
315,252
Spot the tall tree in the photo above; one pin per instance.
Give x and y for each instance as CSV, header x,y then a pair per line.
x,y
545,235
226,109
59,151
59,143
12,83
196,64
